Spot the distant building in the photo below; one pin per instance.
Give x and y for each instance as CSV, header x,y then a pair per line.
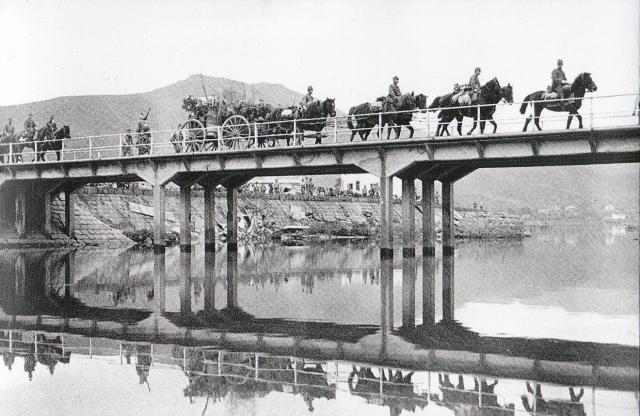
x,y
359,183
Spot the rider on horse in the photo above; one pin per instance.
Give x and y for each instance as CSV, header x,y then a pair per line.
x,y
307,99
9,130
558,79
474,85
394,93
51,125
30,127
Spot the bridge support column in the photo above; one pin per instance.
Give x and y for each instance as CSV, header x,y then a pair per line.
x,y
69,266
386,217
159,282
21,213
185,281
232,245
408,252
159,241
448,249
428,252
185,218
69,213
209,247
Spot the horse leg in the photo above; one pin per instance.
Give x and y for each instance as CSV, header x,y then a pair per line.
x,y
475,123
482,124
353,134
569,119
58,155
536,118
364,135
411,131
579,117
495,126
526,124
398,129
459,128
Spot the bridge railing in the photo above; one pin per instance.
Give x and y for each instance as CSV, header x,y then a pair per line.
x,y
596,111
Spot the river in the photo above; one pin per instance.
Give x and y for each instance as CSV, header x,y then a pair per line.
x,y
565,295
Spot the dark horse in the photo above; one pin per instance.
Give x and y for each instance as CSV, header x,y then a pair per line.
x,y
406,105
490,93
364,117
579,87
54,141
281,121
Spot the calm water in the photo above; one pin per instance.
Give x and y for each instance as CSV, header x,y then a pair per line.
x,y
575,284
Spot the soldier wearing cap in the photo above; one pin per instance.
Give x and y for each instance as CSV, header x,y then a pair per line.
x,y
558,79
51,125
394,89
474,84
30,125
307,98
9,130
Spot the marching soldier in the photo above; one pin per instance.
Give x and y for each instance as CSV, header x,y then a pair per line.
x,y
558,79
474,84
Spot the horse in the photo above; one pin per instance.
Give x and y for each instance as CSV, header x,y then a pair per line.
x,y
406,105
54,142
315,117
490,93
362,118
444,117
18,143
281,121
579,87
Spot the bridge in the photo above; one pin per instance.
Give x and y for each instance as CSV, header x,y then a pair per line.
x,y
28,187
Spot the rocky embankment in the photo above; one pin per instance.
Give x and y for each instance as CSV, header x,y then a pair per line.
x,y
117,217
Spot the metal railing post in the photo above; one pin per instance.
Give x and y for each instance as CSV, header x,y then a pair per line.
x,y
10,152
62,149
533,114
255,134
428,124
120,150
295,132
220,144
151,152
35,151
257,365
591,112
184,142
335,129
11,341
90,147
380,126
479,116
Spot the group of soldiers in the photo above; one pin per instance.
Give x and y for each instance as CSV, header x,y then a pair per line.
x,y
30,127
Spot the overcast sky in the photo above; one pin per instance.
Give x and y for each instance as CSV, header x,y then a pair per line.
x,y
347,49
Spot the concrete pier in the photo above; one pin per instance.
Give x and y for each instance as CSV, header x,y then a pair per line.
x,y
408,252
386,217
232,245
159,241
185,218
428,251
185,281
448,249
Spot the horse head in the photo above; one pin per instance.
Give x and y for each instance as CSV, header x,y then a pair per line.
x,y
587,81
66,132
507,93
421,101
329,107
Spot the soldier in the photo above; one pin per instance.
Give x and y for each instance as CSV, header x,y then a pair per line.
x,y
9,130
142,118
394,93
558,79
127,143
307,98
51,124
474,84
30,125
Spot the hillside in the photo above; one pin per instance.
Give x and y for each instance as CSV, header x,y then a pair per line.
x,y
103,114
587,187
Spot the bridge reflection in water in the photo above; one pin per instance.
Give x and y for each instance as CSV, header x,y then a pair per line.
x,y
228,355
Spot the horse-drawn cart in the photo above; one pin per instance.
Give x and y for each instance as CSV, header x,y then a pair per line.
x,y
213,124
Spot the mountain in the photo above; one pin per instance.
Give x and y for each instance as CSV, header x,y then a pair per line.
x,y
104,114
586,187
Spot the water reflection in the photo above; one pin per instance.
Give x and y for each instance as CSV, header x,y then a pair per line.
x,y
219,381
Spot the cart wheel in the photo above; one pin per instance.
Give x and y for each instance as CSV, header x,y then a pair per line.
x,y
193,135
236,132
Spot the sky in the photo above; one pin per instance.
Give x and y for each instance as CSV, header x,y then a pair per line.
x,y
348,50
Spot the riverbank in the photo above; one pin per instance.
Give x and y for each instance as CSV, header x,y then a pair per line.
x,y
117,217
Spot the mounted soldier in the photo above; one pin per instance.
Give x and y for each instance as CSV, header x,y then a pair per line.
x,y
51,125
143,133
307,99
9,131
474,85
30,127
392,97
558,79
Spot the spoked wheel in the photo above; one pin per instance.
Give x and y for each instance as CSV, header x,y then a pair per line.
x,y
193,135
236,132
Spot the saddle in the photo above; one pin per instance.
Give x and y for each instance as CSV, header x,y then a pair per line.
x,y
376,105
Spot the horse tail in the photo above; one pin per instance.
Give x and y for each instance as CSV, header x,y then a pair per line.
x,y
351,119
525,103
435,104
